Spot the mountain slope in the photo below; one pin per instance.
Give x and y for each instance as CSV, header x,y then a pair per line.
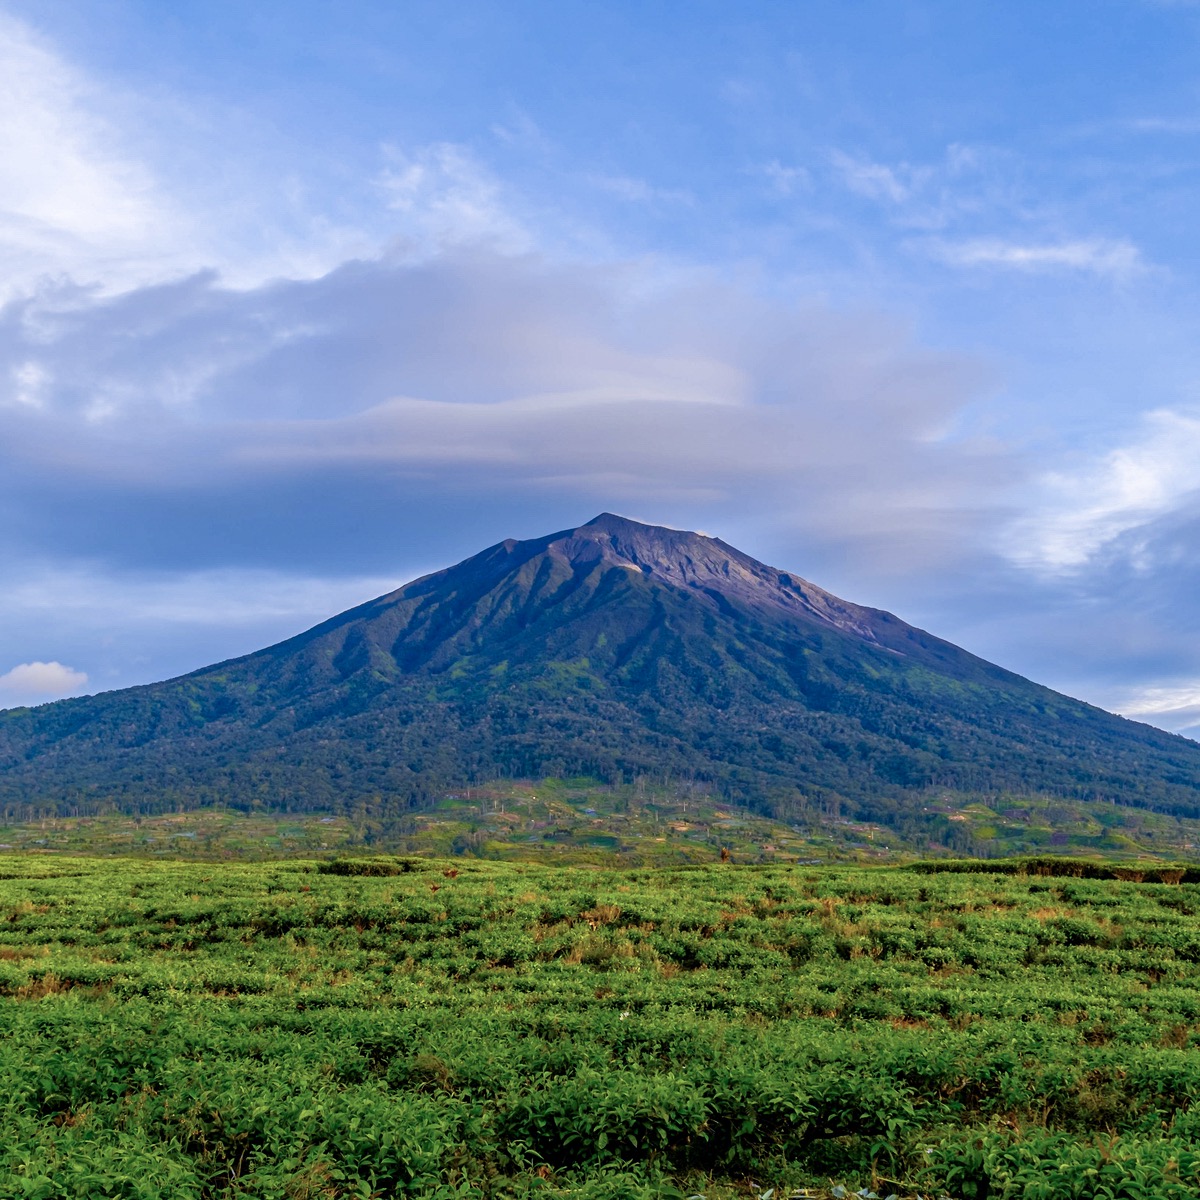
x,y
611,650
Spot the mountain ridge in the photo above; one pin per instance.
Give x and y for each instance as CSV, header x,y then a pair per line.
x,y
610,649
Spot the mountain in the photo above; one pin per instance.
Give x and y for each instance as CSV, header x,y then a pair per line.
x,y
612,650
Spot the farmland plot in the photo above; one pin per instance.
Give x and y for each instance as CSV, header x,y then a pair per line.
x,y
428,1028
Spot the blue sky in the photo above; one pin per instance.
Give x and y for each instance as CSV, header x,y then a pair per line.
x,y
301,300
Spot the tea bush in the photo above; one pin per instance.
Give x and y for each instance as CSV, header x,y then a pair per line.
x,y
489,1030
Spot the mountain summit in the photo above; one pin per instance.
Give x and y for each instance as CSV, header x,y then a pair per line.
x,y
614,649
704,564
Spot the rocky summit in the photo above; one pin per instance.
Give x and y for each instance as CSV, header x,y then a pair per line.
x,y
612,650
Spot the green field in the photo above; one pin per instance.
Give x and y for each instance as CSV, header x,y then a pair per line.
x,y
472,1028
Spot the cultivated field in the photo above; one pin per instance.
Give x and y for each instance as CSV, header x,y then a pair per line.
x,y
470,1028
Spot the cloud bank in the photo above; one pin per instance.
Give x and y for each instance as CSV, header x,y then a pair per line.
x,y
398,413
239,423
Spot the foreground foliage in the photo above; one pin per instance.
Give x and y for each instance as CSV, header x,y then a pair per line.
x,y
411,1027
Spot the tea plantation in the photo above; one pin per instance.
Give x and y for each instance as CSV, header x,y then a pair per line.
x,y
476,1029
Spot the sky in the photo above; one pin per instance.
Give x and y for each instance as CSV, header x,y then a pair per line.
x,y
299,301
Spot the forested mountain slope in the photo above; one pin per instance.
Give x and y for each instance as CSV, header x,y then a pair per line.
x,y
611,650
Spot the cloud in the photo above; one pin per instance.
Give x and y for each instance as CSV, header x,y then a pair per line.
x,y
1098,598
118,190
447,198
72,195
786,181
32,682
979,187
305,424
965,185
125,627
1186,126
520,129
1175,707
638,191
876,181
1116,259
226,598
1101,506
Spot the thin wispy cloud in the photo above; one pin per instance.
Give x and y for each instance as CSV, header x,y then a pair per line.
x,y
1112,258
1175,707
518,128
1186,126
963,185
219,598
133,625
1085,512
787,180
73,197
877,181
446,198
639,191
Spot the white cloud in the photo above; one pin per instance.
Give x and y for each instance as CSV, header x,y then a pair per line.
x,y
447,198
1082,513
1175,707
72,195
1117,259
876,181
29,379
33,682
115,190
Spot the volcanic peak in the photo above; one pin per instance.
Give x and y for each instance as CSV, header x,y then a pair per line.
x,y
684,559
612,650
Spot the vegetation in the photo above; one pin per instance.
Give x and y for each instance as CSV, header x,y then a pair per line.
x,y
585,654
464,1028
581,820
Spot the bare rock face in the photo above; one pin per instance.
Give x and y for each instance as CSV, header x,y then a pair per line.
x,y
711,567
713,572
611,649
